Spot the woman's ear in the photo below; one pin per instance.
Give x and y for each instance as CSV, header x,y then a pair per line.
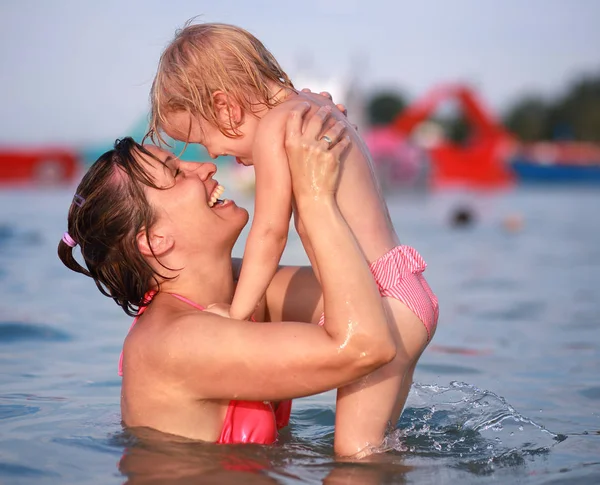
x,y
154,244
229,111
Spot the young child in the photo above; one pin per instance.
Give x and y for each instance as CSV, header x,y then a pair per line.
x,y
217,85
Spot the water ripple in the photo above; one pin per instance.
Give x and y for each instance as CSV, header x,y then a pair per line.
x,y
16,410
313,425
18,332
448,369
31,397
12,469
9,234
105,445
524,310
591,393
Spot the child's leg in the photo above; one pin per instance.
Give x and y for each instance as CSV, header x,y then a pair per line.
x,y
406,385
366,407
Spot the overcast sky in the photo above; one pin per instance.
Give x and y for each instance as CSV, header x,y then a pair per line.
x,y
79,71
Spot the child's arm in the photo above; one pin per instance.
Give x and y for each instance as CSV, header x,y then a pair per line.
x,y
272,213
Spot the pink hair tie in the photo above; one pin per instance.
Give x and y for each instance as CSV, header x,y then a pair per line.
x,y
68,240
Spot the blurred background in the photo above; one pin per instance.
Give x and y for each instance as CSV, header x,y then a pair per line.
x,y
483,119
513,87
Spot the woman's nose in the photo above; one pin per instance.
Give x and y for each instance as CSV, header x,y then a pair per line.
x,y
206,170
203,170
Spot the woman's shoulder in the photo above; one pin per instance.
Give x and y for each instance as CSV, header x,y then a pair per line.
x,y
163,347
156,329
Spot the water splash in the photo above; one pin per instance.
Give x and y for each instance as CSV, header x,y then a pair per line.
x,y
476,428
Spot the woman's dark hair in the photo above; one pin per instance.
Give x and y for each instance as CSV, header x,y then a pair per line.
x,y
107,213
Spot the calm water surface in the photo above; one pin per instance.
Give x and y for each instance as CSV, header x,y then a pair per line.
x,y
508,392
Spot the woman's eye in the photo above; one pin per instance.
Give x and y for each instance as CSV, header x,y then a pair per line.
x,y
177,172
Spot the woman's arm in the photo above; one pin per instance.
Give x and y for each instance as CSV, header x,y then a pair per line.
x,y
220,358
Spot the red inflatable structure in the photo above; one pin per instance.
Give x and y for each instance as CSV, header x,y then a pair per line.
x,y
38,166
481,161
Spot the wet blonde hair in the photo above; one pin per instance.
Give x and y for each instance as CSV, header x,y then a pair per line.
x,y
209,57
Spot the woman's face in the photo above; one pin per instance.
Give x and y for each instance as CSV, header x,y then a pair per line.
x,y
190,207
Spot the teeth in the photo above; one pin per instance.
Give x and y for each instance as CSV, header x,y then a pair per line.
x,y
219,189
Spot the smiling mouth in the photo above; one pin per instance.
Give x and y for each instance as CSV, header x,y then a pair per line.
x,y
214,197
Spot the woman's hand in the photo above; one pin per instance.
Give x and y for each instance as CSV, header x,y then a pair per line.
x,y
327,95
314,155
341,107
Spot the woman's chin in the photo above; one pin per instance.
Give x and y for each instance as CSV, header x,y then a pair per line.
x,y
245,215
241,219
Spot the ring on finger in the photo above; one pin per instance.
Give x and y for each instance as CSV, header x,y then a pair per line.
x,y
328,140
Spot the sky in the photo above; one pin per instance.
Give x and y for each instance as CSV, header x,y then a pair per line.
x,y
79,71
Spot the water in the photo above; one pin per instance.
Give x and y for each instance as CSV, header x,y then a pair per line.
x,y
508,392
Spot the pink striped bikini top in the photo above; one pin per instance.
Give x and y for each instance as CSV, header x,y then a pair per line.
x,y
245,421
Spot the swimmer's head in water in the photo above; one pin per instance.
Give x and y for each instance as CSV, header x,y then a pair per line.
x,y
105,219
462,217
206,59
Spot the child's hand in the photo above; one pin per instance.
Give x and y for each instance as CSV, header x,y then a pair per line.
x,y
314,156
221,309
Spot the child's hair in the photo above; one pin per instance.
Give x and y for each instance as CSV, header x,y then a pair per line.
x,y
108,211
204,58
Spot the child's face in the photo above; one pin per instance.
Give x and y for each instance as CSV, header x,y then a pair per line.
x,y
182,126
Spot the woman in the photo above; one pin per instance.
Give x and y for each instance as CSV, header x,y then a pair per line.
x,y
157,240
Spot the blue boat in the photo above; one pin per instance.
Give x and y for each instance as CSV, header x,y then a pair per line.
x,y
557,163
530,171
